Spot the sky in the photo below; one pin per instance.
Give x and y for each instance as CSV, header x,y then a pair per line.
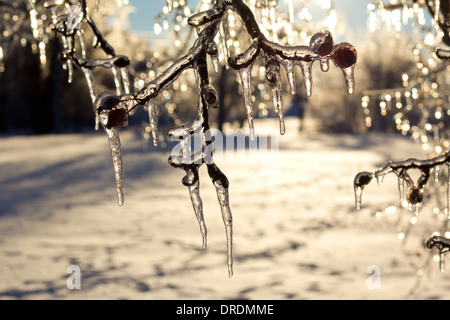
x,y
353,11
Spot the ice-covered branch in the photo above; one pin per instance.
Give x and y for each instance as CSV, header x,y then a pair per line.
x,y
443,54
442,244
415,190
70,19
114,109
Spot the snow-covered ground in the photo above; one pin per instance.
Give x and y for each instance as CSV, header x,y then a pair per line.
x,y
297,234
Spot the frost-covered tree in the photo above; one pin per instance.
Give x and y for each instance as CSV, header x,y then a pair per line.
x,y
214,33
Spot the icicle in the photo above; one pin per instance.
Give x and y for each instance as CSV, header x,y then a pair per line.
x,y
169,5
67,45
198,209
448,189
69,71
89,75
153,117
349,75
245,76
442,261
436,173
97,4
401,189
215,62
117,80
222,196
125,80
358,197
82,43
113,117
307,76
277,96
379,178
273,76
418,209
116,152
290,72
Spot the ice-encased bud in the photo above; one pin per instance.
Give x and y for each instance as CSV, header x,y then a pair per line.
x,y
415,195
121,61
74,17
107,106
107,100
361,180
211,96
344,55
321,43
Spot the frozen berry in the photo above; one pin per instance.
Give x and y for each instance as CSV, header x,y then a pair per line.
x,y
322,43
415,195
117,118
344,55
107,100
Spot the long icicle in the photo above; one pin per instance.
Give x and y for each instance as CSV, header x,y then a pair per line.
x,y
197,204
245,76
222,196
116,153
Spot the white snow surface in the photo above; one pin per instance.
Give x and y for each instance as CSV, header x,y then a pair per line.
x,y
297,234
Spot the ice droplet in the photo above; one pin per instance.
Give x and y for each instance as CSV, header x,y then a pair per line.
x,y
222,196
194,192
153,119
324,64
116,152
245,76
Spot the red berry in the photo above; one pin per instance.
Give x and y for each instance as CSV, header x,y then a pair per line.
x,y
344,55
322,43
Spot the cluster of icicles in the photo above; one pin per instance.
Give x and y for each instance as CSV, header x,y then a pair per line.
x,y
411,193
112,109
